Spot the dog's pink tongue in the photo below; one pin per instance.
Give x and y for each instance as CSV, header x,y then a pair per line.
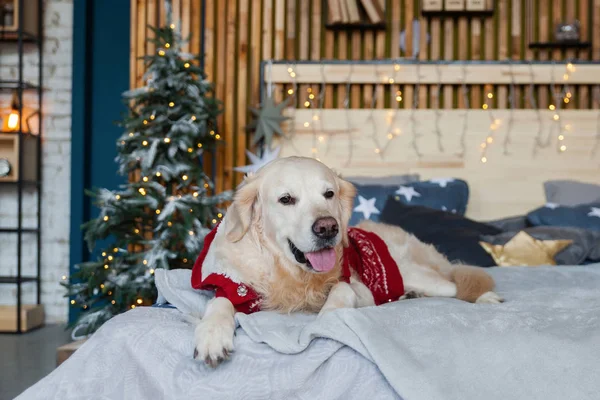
x,y
322,260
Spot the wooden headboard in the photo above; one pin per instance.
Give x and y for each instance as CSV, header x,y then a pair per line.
x,y
505,155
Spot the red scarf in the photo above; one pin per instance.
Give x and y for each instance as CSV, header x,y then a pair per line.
x,y
367,255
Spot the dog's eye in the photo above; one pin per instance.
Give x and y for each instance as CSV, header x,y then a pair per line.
x,y
328,194
287,200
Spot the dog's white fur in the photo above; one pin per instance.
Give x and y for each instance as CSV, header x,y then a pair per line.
x,y
251,246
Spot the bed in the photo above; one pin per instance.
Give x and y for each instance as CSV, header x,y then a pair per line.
x,y
542,343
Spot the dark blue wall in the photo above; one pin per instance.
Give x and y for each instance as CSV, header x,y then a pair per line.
x,y
101,35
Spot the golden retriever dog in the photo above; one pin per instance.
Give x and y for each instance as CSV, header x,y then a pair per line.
x,y
281,247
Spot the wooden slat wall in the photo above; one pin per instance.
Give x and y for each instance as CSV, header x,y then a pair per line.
x,y
240,33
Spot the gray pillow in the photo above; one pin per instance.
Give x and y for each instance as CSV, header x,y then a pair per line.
x,y
391,180
510,223
585,246
571,193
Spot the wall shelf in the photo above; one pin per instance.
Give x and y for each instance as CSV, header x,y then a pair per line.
x,y
461,13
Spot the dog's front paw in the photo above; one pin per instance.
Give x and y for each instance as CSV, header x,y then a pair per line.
x,y
214,341
489,298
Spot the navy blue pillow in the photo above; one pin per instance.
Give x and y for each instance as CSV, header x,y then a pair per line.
x,y
584,216
445,194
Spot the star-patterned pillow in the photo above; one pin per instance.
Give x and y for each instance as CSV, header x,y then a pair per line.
x,y
446,194
586,216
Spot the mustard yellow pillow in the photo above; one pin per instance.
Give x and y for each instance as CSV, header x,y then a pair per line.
x,y
525,250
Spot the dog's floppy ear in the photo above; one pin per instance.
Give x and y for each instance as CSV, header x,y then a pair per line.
x,y
346,196
239,214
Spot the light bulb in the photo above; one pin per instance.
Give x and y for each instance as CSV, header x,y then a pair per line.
x,y
142,191
290,91
172,26
145,122
85,306
571,67
315,117
185,260
103,254
145,179
157,212
396,67
321,138
293,74
306,124
136,230
214,221
118,197
139,301
551,107
307,103
566,77
568,127
191,233
115,250
563,148
490,95
199,145
490,139
151,271
217,136
113,302
311,96
106,218
190,150
485,106
206,185
158,174
105,266
145,143
64,278
132,306
195,194
561,137
398,98
569,94
102,286
152,117
171,104
184,177
309,90
391,80
566,100
290,69
483,160
483,145
169,223
212,132
390,136
377,150
186,65
122,142
167,140
193,117
161,53
110,258
130,134
556,117
145,262
72,301
220,215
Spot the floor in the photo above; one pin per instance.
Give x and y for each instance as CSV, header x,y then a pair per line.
x,y
26,358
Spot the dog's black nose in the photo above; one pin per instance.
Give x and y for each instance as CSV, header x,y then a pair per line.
x,y
325,228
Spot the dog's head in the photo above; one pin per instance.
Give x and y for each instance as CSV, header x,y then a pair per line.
x,y
301,209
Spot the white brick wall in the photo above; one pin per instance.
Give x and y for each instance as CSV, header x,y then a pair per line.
x,y
56,164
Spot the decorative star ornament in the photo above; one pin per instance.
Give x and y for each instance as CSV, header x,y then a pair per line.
x,y
259,162
552,206
524,250
595,212
408,192
443,182
268,120
366,207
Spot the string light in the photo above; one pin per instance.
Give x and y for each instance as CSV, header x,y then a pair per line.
x,y
158,174
110,258
152,117
145,262
151,271
186,65
483,160
561,137
184,177
195,194
191,233
171,104
139,301
217,136
115,250
212,132
167,45
130,134
145,143
214,221
64,278
145,122
206,185
199,145
396,67
556,117
551,107
106,218
72,301
307,104
220,215
563,148
161,53
193,117
103,254
102,286
105,266
109,293
142,191
490,95
172,26
315,117
306,124
132,306
157,211
118,197
85,306
113,302
190,150
167,140
290,91
169,223
185,260
145,179
485,106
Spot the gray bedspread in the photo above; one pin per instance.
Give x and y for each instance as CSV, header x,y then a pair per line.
x,y
542,343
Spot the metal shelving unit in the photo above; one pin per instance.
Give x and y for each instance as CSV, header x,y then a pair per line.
x,y
20,38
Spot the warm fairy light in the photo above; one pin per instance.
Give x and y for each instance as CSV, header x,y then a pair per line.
x,y
102,286
145,179
217,136
158,174
191,210
145,122
118,197
169,223
72,301
212,132
145,262
493,126
396,67
563,148
103,254
561,137
167,140
64,277
157,212
490,95
130,134
315,117
377,151
311,96
483,160
293,74
290,91
191,233
195,194
186,65
397,131
307,103
220,215
185,260
199,145
145,143
321,138
184,177
398,98
113,302
391,80
206,185
490,139
483,145
568,127
566,77
161,53
172,26
109,293
122,142
566,100
497,121
139,301
314,150
110,258
171,104
151,271
390,136
556,117
106,217
190,150
214,221
485,106
132,306
569,94
142,191
571,67
551,107
105,266
290,70
115,250
85,306
306,124
309,90
152,117
193,117
136,230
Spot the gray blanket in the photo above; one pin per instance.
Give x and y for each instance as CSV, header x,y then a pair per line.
x,y
542,343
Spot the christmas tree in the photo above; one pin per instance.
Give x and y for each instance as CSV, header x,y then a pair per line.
x,y
160,217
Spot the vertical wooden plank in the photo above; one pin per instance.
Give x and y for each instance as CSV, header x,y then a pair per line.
x,y
221,93
435,46
423,51
304,43
502,48
278,51
367,45
342,55
133,45
380,54
255,56
290,30
355,89
448,55
475,90
408,94
242,68
557,15
176,12
583,97
186,14
162,13
394,51
141,41
543,55
329,49
462,52
515,34
596,32
315,45
209,54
